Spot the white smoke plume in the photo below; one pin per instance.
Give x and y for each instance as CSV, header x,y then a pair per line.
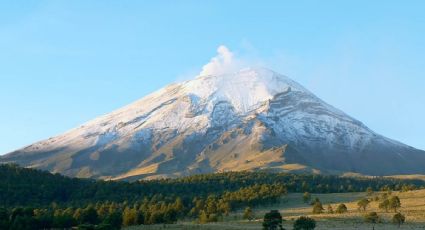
x,y
224,62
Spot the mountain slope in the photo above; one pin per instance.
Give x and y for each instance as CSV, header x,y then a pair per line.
x,y
249,120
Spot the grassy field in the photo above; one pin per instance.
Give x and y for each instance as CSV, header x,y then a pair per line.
x,y
292,206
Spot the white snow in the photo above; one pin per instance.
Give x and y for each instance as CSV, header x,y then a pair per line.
x,y
189,106
245,89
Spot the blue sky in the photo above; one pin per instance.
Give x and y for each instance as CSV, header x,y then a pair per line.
x,y
63,63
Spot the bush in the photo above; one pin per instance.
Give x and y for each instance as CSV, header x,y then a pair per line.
x,y
272,220
363,203
372,217
341,209
304,223
248,214
399,219
317,207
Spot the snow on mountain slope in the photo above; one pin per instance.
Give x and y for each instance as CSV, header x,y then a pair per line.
x,y
246,120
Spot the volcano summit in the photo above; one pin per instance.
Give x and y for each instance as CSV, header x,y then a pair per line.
x,y
250,119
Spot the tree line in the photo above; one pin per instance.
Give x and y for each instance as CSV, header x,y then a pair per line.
x,y
30,197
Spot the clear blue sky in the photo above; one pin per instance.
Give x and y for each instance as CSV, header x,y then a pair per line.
x,y
63,63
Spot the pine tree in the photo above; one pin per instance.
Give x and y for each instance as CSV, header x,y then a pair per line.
x,y
317,207
248,214
306,197
399,219
129,217
330,209
341,209
363,203
394,203
304,223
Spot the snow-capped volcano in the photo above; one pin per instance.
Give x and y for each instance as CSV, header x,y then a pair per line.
x,y
250,119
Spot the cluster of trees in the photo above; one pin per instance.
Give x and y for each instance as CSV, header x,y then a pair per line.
x,y
374,218
46,199
158,209
214,207
22,186
273,221
93,216
387,203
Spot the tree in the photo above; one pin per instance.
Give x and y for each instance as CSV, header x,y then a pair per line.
x,y
225,207
248,214
394,203
114,220
384,205
178,206
306,197
203,217
140,217
369,191
170,216
4,219
89,216
363,203
272,220
372,217
330,209
341,209
317,207
399,219
304,223
129,217
22,222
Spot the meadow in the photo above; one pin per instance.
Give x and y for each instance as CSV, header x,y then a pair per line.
x,y
292,206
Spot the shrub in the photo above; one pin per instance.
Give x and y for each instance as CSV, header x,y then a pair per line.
x,y
399,219
272,220
304,223
341,209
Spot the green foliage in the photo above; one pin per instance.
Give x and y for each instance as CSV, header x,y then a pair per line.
x,y
204,217
52,201
384,205
330,209
317,207
248,214
89,216
363,203
306,197
22,186
372,217
129,216
304,223
272,220
369,191
398,219
394,203
342,208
